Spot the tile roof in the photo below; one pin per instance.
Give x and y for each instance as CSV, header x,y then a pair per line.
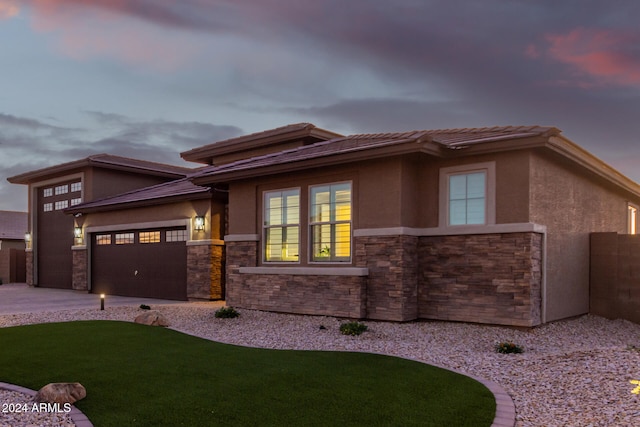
x,y
448,138
180,188
455,138
13,225
266,137
108,161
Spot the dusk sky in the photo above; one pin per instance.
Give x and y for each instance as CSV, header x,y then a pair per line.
x,y
149,79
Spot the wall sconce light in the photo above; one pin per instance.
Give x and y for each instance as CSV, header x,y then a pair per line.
x,y
77,232
27,237
198,223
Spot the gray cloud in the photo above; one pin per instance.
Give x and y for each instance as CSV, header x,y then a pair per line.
x,y
39,145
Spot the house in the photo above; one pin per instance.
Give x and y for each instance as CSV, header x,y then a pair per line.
x,y
13,226
487,225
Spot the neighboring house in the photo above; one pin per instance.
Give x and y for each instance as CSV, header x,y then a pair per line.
x,y
487,225
13,226
53,249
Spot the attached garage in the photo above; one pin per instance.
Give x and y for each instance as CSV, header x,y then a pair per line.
x,y
140,263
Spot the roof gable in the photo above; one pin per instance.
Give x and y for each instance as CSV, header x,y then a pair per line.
x,y
107,161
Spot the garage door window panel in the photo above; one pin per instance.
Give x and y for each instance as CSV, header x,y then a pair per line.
x,y
124,238
103,239
149,237
176,236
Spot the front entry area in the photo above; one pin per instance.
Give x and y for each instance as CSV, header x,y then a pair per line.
x,y
140,263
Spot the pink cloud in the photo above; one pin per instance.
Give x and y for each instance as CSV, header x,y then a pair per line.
x,y
607,56
8,9
100,29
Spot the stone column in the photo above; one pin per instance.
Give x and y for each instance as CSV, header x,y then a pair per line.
x,y
392,284
29,262
79,276
205,269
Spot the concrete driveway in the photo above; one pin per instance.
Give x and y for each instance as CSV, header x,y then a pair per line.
x,y
16,298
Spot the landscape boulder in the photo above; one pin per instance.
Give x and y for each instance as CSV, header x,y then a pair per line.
x,y
151,318
61,393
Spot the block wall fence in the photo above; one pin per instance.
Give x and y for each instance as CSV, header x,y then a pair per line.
x,y
615,276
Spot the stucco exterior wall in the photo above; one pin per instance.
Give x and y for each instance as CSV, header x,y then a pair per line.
x,y
101,182
571,204
186,210
511,190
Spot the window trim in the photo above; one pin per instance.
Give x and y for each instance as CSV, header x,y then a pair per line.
x,y
265,227
490,192
310,224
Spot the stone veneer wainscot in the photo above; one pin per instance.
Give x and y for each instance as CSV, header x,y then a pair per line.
x,y
493,278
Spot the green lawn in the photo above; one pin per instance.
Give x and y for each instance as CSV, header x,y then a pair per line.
x,y
149,376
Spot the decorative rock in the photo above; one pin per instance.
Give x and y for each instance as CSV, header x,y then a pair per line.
x,y
151,318
61,393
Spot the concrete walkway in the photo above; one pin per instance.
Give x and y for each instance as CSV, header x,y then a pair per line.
x,y
18,298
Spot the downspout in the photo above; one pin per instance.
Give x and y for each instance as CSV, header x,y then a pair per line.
x,y
543,290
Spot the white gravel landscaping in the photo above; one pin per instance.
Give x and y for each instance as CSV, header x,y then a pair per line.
x,y
575,372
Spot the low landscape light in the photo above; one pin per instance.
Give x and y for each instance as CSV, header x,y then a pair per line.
x,y
101,301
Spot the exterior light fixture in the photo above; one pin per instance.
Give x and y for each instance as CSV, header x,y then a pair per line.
x,y
101,301
77,232
198,223
27,237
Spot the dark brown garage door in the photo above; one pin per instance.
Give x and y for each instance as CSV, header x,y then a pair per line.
x,y
140,263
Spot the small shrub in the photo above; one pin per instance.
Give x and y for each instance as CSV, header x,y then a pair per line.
x,y
145,307
352,328
227,313
507,347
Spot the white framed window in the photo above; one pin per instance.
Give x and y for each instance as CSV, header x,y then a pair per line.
x,y
176,236
149,237
467,198
76,201
47,192
62,189
76,186
47,207
632,219
61,204
103,239
467,195
124,238
281,225
330,222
